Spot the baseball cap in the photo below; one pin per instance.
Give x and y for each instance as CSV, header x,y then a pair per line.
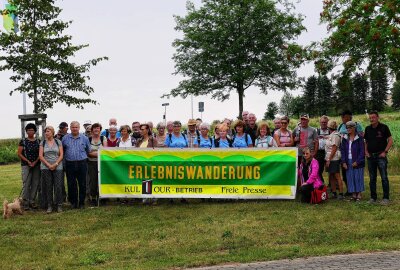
x,y
87,122
304,116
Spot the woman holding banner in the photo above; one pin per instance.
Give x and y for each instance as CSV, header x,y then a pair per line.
x,y
283,136
176,139
125,140
205,141
241,139
264,138
112,137
146,140
223,141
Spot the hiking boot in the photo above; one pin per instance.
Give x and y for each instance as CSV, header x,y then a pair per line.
x,y
385,202
49,210
340,197
372,201
59,209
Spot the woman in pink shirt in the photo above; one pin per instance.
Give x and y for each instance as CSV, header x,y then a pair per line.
x,y
309,176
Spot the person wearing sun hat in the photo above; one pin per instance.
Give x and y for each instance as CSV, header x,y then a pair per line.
x,y
193,135
353,160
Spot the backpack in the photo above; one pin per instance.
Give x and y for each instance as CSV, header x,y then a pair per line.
x,y
216,142
319,195
280,134
183,134
44,142
245,138
101,138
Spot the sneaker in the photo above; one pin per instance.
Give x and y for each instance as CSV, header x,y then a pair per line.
x,y
385,202
372,201
49,210
59,209
340,197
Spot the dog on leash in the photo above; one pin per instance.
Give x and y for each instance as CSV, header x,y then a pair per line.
x,y
10,208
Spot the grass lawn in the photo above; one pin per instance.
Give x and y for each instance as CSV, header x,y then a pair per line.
x,y
178,236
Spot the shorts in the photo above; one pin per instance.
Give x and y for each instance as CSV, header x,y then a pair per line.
x,y
334,166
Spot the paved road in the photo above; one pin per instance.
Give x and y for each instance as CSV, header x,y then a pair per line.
x,y
370,261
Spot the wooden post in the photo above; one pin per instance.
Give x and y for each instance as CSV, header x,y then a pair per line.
x,y
40,122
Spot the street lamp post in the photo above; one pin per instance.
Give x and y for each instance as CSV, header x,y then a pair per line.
x,y
165,112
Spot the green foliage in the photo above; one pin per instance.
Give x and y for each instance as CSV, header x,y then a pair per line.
x,y
272,110
310,95
396,95
362,31
324,95
8,151
379,89
292,106
360,86
40,57
344,93
232,45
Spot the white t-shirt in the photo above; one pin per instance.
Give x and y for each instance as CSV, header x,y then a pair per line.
x,y
127,143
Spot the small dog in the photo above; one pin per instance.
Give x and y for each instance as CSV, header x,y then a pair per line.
x,y
10,208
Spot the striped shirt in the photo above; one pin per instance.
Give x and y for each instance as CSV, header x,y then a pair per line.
x,y
75,148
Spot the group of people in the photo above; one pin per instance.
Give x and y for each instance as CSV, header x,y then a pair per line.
x,y
330,147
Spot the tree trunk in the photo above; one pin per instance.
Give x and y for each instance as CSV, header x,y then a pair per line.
x,y
35,105
240,91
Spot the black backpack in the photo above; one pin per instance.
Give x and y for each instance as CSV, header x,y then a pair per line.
x,y
216,142
101,138
245,138
183,134
44,142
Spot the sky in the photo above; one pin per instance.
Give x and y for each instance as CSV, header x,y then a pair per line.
x,y
137,36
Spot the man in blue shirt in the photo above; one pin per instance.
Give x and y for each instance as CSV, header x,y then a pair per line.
x,y
76,150
106,133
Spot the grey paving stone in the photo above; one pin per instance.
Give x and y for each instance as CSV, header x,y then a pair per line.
x,y
370,261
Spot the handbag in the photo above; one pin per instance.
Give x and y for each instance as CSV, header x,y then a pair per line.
x,y
319,195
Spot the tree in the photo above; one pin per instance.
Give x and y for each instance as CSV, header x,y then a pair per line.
x,y
324,95
361,31
310,94
396,95
285,106
272,110
297,106
361,89
234,44
39,55
344,93
379,88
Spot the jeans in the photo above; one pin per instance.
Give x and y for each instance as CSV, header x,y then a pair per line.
x,y
76,172
375,163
